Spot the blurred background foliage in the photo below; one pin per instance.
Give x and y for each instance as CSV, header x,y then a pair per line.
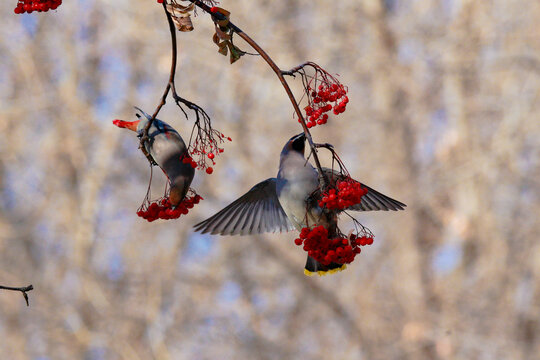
x,y
443,116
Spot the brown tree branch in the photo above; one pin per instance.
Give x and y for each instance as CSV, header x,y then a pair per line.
x,y
170,84
279,73
23,290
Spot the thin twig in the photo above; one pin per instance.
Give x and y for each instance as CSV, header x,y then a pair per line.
x,y
144,137
279,73
295,69
23,290
202,122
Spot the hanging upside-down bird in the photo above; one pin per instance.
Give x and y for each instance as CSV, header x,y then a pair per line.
x,y
288,202
168,149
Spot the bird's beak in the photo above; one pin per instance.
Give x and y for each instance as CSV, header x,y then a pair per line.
x,y
131,125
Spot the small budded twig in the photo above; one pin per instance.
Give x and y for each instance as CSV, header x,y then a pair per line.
x,y
23,290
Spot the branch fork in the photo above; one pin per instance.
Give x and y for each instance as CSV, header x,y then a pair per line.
x,y
23,290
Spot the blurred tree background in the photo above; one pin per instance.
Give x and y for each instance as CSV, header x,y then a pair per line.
x,y
443,116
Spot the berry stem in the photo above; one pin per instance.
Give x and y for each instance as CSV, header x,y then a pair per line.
x,y
170,83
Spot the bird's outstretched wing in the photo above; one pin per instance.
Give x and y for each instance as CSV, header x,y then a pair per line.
x,y
373,200
255,212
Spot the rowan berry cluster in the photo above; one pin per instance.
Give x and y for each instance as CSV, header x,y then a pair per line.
x,y
340,250
204,151
29,6
347,193
162,209
320,102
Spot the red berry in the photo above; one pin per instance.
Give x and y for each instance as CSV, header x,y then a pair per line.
x,y
209,170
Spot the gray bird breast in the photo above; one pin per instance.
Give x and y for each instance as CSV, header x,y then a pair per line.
x,y
296,181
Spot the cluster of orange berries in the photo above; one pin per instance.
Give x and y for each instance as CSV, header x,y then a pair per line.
x,y
162,208
320,103
29,6
204,152
340,250
346,194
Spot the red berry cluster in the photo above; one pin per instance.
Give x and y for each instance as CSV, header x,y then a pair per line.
x,y
161,208
320,103
340,250
204,151
29,6
346,194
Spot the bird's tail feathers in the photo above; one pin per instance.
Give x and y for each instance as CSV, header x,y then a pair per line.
x,y
313,267
131,125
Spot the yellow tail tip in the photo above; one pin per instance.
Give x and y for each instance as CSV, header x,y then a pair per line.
x,y
323,273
